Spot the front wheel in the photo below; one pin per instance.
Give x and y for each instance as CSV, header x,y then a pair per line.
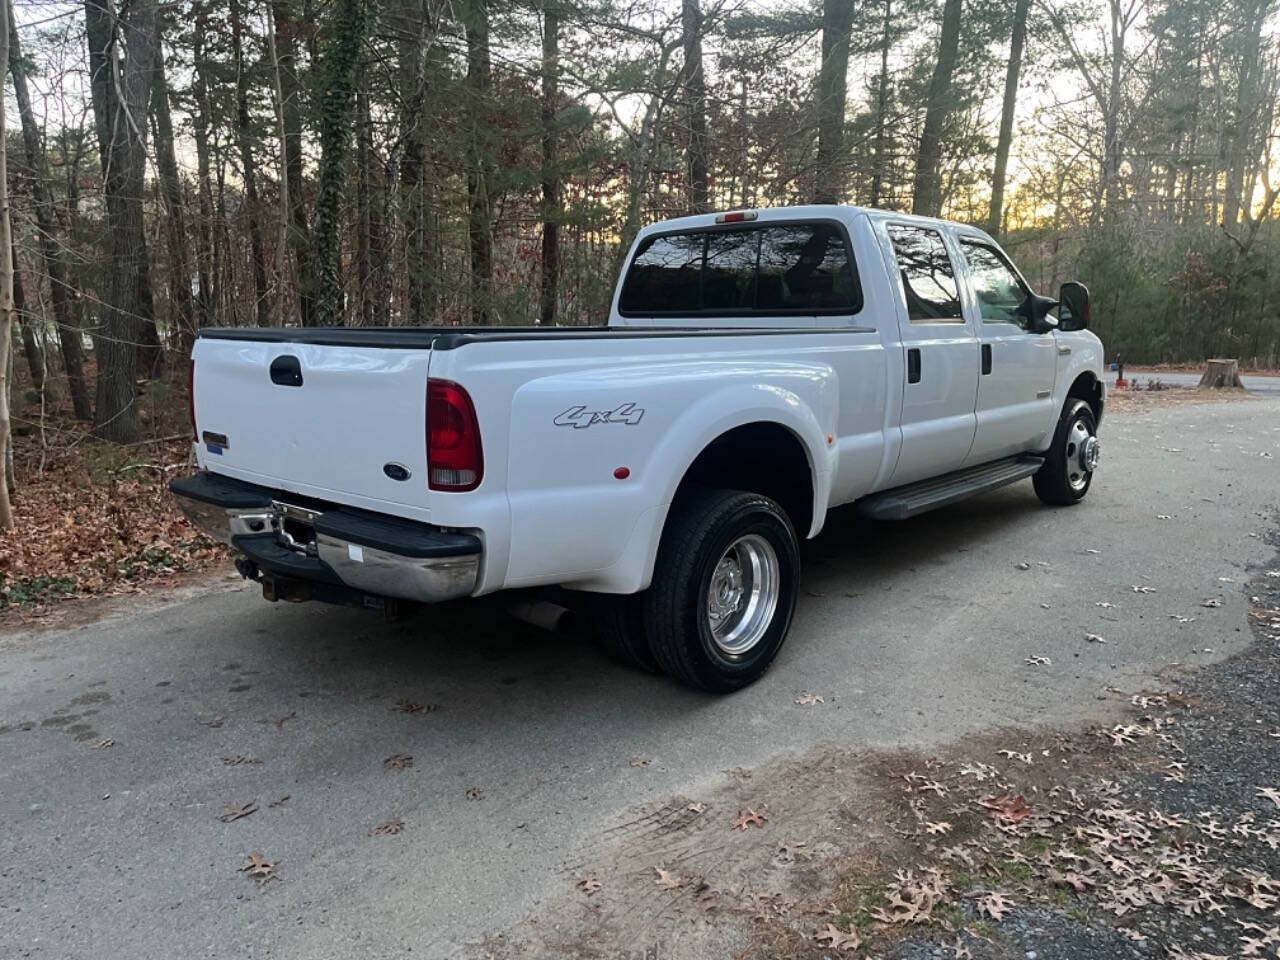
x,y
724,589
1068,469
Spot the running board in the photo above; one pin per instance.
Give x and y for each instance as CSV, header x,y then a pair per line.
x,y
903,502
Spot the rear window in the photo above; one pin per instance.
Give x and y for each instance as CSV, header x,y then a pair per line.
x,y
798,269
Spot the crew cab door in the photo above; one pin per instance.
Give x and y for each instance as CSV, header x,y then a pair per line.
x,y
1015,388
940,350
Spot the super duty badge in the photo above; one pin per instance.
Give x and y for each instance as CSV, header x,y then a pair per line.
x,y
580,417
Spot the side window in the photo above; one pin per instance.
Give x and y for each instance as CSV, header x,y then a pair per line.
x,y
806,266
999,291
666,275
927,277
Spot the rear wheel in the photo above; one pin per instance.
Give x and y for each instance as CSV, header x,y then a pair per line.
x,y
1068,469
724,589
619,623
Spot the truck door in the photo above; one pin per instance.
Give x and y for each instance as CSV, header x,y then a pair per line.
x,y
1015,389
940,355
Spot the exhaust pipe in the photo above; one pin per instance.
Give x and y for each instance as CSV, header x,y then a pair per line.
x,y
542,614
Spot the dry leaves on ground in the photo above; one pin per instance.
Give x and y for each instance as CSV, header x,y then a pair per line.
x,y
837,939
1007,808
387,828
102,743
639,761
231,812
666,878
398,761
260,868
474,793
588,885
239,760
410,706
750,818
809,699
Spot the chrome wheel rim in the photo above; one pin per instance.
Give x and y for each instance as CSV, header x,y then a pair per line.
x,y
743,594
1081,455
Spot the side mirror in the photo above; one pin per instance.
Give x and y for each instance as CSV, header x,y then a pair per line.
x,y
1073,306
1036,311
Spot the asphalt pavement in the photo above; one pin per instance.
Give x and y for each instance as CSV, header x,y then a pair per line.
x,y
528,748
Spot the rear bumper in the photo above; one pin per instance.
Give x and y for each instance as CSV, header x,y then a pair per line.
x,y
290,540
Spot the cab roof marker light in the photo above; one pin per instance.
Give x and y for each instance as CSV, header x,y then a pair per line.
x,y
737,217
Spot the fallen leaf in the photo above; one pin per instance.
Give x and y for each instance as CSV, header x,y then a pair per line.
x,y
1180,618
995,905
280,721
1163,516
588,885
398,761
1023,566
261,869
474,793
1104,604
639,761
215,722
1093,638
837,939
1039,662
281,802
938,828
1008,808
1141,589
102,743
750,817
666,879
809,699
696,807
238,760
387,828
408,706
231,812
1270,793
1211,602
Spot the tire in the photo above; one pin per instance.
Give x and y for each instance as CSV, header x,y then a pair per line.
x,y
1064,480
709,535
619,623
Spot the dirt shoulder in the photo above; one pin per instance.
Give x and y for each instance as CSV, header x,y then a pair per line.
x,y
1154,833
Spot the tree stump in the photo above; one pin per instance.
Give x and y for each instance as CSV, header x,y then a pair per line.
x,y
1221,373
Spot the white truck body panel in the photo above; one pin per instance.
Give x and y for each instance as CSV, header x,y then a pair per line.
x,y
561,411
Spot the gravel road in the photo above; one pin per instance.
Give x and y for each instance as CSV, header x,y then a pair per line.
x,y
531,754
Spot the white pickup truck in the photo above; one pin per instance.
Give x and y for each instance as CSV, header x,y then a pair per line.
x,y
758,369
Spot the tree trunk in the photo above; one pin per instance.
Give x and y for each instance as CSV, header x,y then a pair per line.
x,y
927,197
122,96
829,178
6,296
350,20
364,158
879,171
206,256
1239,130
30,346
551,211
1221,373
695,95
248,168
412,54
481,165
295,211
1006,116
171,185
50,246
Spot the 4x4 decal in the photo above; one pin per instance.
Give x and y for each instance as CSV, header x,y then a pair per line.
x,y
580,417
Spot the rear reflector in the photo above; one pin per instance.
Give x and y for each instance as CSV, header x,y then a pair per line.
x,y
191,399
738,217
455,461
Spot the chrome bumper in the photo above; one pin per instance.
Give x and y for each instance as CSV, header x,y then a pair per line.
x,y
289,542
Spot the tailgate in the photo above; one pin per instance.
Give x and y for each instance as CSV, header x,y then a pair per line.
x,y
342,423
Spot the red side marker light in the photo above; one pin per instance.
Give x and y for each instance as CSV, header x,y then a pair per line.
x,y
621,473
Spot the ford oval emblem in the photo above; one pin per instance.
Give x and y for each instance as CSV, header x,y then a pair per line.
x,y
396,471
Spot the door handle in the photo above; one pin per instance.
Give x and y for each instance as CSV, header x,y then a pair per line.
x,y
913,365
986,358
1063,351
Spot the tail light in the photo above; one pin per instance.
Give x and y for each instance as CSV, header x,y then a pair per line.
x,y
455,461
191,399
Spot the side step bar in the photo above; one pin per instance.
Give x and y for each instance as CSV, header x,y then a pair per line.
x,y
903,502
